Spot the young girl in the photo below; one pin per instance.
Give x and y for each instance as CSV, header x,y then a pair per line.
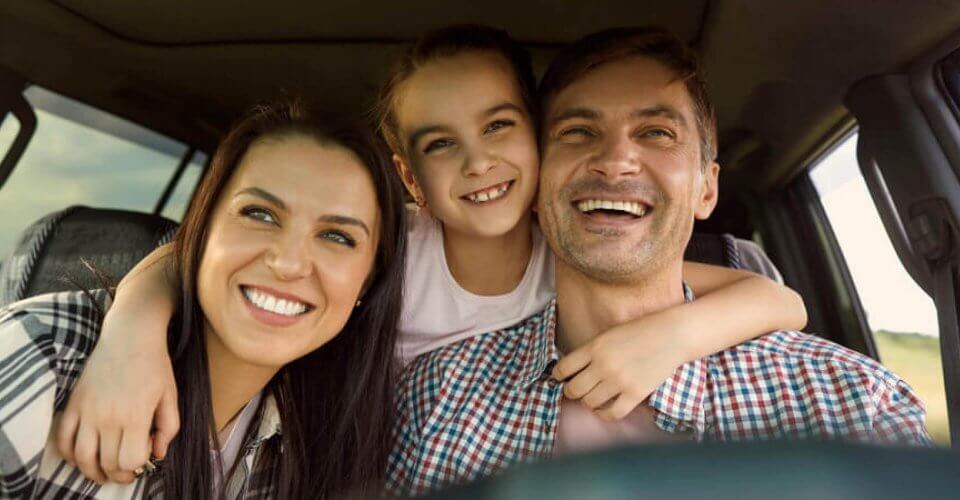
x,y
458,112
294,206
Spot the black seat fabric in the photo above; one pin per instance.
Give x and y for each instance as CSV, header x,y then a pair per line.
x,y
51,253
725,250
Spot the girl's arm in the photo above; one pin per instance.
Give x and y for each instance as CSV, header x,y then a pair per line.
x,y
127,385
617,370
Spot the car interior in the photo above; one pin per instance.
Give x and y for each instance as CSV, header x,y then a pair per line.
x,y
790,80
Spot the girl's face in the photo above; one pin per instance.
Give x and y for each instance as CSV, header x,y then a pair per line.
x,y
291,241
471,152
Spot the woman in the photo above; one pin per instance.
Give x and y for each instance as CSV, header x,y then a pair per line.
x,y
289,261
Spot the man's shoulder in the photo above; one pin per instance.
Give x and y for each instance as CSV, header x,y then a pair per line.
x,y
802,350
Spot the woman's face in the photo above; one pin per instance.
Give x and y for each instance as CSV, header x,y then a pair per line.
x,y
291,241
469,141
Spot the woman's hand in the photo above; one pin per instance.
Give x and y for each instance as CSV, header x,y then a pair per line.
x,y
617,370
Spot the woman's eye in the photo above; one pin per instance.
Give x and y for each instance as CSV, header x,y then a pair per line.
x,y
436,145
497,125
339,238
259,214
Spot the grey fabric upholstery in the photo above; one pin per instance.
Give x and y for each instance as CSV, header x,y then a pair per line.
x,y
725,250
57,252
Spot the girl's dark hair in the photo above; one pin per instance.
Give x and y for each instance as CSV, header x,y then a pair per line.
x,y
448,42
336,403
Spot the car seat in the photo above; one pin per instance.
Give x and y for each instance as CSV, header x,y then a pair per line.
x,y
80,248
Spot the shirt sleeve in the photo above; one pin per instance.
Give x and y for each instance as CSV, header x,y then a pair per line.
x,y
901,416
43,343
406,438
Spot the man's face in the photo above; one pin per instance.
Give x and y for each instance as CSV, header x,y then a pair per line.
x,y
621,178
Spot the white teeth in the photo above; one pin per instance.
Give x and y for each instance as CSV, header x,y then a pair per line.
x,y
488,195
273,304
631,207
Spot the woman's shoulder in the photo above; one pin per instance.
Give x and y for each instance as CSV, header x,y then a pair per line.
x,y
64,318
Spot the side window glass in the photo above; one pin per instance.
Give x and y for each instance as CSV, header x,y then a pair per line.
x,y
183,191
80,155
901,315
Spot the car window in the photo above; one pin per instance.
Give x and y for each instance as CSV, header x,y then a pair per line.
x,y
901,315
81,155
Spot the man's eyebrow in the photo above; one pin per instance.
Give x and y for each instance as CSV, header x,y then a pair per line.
x,y
571,113
664,110
261,193
329,218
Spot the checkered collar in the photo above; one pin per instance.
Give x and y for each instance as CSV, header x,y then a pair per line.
x,y
680,400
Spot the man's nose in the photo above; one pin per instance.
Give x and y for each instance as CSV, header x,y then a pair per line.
x,y
288,257
478,163
619,157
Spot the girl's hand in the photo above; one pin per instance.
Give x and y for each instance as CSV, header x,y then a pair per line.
x,y
617,370
127,386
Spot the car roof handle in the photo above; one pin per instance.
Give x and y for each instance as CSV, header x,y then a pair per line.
x,y
13,102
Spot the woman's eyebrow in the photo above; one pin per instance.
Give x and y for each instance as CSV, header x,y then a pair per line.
x,y
329,218
344,220
261,193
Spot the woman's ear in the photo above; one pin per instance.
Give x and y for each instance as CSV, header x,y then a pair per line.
x,y
409,181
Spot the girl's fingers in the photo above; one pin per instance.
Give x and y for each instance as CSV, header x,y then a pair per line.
x,y
134,452
571,364
620,408
85,453
109,452
66,435
600,395
167,422
581,384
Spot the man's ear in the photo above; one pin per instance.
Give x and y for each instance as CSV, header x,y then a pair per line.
x,y
709,190
409,181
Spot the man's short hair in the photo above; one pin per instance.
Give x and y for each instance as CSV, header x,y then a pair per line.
x,y
607,46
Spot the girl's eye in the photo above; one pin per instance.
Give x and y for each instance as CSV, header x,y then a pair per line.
x,y
436,145
497,125
339,238
259,214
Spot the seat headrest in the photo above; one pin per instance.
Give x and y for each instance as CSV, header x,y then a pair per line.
x,y
47,256
736,253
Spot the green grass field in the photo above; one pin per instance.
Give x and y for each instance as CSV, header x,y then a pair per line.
x,y
916,358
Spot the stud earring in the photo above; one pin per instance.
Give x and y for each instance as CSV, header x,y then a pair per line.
x,y
358,303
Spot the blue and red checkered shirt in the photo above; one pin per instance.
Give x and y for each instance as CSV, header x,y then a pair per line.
x,y
474,407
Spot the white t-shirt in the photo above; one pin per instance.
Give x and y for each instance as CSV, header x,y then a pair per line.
x,y
437,311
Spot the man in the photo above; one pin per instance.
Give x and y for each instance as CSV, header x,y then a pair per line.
x,y
626,119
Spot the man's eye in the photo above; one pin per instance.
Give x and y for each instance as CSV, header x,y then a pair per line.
x,y
657,132
259,214
577,132
436,145
498,125
339,238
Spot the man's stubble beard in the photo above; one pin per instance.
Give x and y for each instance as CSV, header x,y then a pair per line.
x,y
662,245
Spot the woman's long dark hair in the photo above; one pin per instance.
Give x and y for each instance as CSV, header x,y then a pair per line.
x,y
336,403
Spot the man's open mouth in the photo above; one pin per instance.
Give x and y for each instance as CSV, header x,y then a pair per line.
x,y
621,209
489,194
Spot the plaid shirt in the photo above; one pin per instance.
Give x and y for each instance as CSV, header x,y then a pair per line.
x,y
472,408
44,342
